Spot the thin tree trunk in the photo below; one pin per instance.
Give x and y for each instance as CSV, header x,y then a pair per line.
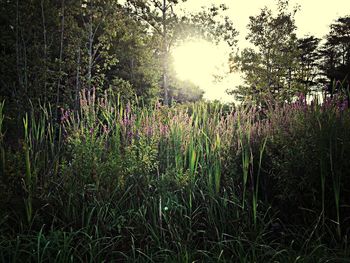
x,y
77,83
90,54
268,69
165,55
60,59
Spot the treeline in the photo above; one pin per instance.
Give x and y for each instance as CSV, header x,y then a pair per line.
x,y
282,65
51,50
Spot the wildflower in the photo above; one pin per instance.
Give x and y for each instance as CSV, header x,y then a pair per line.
x,y
128,109
130,134
163,129
342,105
64,115
105,129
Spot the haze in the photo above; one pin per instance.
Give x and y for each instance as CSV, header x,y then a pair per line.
x,y
314,17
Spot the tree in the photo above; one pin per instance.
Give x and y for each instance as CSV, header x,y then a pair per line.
x,y
309,57
270,68
335,65
53,49
186,91
171,27
138,69
9,64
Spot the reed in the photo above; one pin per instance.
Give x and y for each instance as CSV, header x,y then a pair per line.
x,y
28,181
133,183
255,188
247,156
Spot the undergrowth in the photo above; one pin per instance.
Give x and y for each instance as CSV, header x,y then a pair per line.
x,y
116,182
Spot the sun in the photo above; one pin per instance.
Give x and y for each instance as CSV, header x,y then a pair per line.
x,y
197,61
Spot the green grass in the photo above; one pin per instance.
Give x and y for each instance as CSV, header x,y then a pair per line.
x,y
196,183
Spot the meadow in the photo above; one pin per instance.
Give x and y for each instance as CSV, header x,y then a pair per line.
x,y
200,182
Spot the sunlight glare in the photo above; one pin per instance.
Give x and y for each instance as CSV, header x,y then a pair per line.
x,y
197,61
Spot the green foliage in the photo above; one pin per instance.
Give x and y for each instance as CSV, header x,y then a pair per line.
x,y
111,175
169,27
309,63
185,91
201,182
281,66
270,69
335,53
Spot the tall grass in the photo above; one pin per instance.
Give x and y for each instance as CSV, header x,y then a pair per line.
x,y
121,181
255,186
30,180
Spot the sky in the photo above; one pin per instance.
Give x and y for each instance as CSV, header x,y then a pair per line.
x,y
314,18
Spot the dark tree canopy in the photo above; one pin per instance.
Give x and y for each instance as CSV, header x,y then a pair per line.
x,y
51,50
270,68
335,56
281,65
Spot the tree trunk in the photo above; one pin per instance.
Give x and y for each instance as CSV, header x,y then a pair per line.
x,y
89,77
165,55
77,83
60,59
